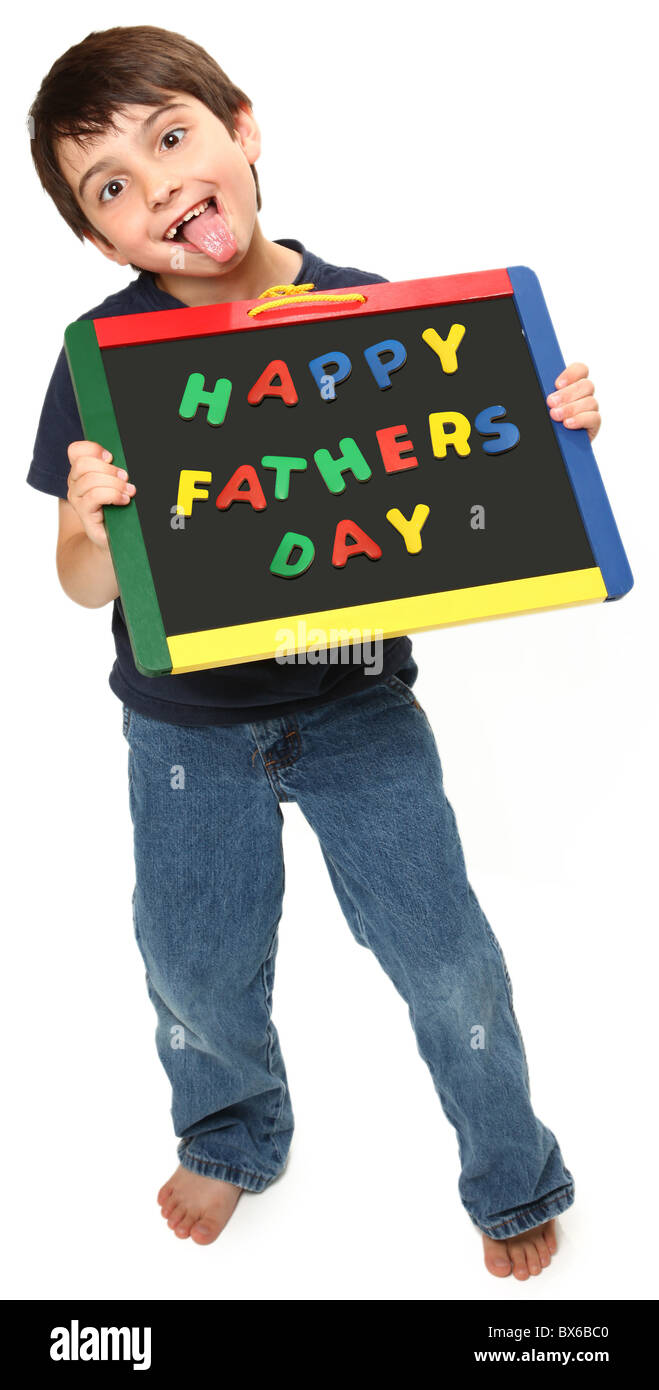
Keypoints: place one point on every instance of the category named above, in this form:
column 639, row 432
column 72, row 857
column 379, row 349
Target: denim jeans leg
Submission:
column 207, row 903
column 369, row 781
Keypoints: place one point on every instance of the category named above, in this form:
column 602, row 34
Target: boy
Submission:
column 148, row 151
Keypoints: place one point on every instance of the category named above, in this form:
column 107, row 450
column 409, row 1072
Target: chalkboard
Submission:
column 308, row 465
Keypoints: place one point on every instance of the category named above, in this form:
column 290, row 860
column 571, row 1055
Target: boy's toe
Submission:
column 185, row 1225
column 497, row 1259
column 549, row 1236
column 177, row 1215
column 206, row 1231
column 520, row 1268
column 543, row 1253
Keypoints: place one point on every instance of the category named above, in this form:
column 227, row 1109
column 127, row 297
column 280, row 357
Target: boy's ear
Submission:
column 106, row 248
column 248, row 133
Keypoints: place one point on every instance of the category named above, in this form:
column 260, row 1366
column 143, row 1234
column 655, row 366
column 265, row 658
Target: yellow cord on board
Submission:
column 296, row 294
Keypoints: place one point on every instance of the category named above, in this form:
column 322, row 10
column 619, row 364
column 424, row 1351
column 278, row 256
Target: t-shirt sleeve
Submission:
column 59, row 425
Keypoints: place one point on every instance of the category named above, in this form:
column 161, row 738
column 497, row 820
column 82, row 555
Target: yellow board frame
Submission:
column 195, row 651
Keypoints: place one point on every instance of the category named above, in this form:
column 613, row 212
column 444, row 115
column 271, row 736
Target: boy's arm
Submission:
column 85, row 570
column 84, row 485
column 84, row 562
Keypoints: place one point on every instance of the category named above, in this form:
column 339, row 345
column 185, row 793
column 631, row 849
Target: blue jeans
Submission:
column 366, row 774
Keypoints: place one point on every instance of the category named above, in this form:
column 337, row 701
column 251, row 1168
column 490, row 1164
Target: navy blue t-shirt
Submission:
column 244, row 692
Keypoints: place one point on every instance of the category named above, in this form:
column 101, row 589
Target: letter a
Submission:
column 265, row 385
column 364, row 544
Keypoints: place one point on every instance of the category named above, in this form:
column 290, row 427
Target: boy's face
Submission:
column 152, row 175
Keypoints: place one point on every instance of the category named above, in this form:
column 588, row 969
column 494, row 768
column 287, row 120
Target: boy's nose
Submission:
column 160, row 196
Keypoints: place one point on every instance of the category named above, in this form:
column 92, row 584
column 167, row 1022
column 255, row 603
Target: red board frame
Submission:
column 162, row 324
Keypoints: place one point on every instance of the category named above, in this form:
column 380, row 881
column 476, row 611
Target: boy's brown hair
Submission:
column 109, row 69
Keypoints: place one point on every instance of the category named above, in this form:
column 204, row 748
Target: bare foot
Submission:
column 528, row 1253
column 196, row 1206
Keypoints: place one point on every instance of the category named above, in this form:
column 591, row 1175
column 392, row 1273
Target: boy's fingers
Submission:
column 82, row 467
column 80, row 447
column 100, row 496
column 584, row 406
column 571, row 373
column 82, row 482
column 575, row 407
column 587, row 419
column 572, row 393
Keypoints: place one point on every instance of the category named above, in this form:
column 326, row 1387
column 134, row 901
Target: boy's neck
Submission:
column 263, row 265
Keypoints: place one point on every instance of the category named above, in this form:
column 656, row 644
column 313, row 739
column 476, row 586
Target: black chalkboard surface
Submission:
column 381, row 462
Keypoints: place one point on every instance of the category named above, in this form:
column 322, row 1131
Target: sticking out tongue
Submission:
column 210, row 233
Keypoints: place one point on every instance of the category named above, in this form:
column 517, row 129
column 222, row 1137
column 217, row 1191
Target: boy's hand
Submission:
column 93, row 483
column 574, row 401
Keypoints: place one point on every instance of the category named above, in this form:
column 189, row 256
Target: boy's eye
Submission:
column 173, row 132
column 114, row 183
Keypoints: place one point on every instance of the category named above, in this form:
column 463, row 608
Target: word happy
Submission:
column 448, row 430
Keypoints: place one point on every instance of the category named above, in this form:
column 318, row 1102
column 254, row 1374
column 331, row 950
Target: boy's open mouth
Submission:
column 204, row 228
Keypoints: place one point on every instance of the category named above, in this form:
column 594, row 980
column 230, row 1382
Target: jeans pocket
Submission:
column 405, row 690
column 126, row 720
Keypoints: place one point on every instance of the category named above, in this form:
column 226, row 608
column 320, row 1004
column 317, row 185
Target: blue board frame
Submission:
column 575, row 446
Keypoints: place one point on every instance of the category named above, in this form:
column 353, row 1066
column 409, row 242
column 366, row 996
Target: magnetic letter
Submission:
column 363, row 544
column 232, row 491
column 283, row 466
column 194, row 395
column 382, row 370
column 446, row 348
column 501, row 438
column 440, row 439
column 392, row 449
column 188, row 493
column 265, row 385
column 410, row 530
column 352, row 460
column 281, row 561
column 336, row 365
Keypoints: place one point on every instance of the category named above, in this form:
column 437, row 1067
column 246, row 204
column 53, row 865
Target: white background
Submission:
column 407, row 141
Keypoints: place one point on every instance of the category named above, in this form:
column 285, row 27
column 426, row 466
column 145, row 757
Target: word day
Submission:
column 448, row 430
